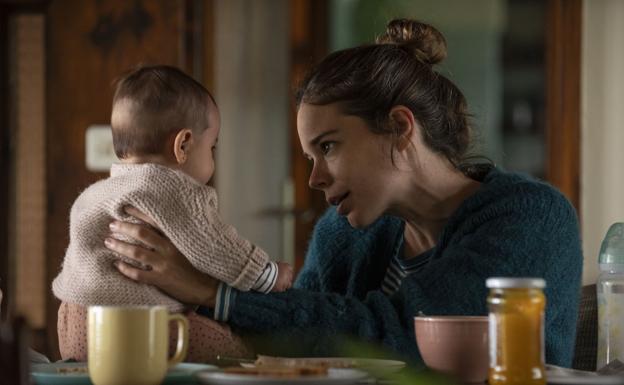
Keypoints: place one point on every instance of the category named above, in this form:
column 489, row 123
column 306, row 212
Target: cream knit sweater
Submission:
column 185, row 211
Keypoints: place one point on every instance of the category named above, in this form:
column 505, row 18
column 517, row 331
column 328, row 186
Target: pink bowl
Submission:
column 456, row 345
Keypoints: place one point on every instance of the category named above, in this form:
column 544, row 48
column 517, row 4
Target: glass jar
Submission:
column 516, row 311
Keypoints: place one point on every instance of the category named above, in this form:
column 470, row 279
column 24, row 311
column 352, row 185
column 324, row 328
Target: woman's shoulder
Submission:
column 519, row 193
column 338, row 250
column 333, row 234
column 508, row 201
column 331, row 223
column 527, row 221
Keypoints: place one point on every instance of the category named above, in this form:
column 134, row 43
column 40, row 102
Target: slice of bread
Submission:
column 279, row 371
column 332, row 362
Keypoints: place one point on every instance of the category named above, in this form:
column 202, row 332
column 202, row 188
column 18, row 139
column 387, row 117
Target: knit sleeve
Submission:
column 187, row 214
column 309, row 275
column 320, row 322
column 317, row 317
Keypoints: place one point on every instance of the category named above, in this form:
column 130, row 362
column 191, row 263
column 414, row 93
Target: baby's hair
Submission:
column 153, row 102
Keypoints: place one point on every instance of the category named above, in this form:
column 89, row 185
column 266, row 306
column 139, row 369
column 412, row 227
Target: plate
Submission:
column 373, row 365
column 333, row 377
column 559, row 375
column 185, row 372
column 595, row 380
column 48, row 374
column 584, row 380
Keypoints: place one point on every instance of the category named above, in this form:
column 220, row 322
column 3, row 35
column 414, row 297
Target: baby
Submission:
column 165, row 129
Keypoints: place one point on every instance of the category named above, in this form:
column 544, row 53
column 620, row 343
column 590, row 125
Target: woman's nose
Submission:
column 318, row 177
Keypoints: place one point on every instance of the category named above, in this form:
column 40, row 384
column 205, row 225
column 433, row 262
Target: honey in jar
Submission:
column 516, row 331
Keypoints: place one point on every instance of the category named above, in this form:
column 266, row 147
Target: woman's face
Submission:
column 351, row 165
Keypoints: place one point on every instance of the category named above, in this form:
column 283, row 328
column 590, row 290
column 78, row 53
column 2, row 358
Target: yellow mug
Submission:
column 130, row 345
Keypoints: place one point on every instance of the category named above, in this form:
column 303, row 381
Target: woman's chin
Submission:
column 357, row 222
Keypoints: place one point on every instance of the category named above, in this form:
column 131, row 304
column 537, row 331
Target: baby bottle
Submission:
column 610, row 296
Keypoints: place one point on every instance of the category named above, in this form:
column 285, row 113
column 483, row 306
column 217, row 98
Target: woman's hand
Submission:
column 168, row 269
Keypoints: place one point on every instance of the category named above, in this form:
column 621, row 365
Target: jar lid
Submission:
column 612, row 247
column 515, row 283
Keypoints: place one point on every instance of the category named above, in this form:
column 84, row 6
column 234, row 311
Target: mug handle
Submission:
column 182, row 344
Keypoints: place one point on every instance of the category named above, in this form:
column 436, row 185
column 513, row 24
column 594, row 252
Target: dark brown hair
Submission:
column 153, row 102
column 367, row 81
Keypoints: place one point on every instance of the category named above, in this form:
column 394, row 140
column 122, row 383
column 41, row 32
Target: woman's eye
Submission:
column 326, row 147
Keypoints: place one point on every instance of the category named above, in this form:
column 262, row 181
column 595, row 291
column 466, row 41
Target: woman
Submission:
column 412, row 228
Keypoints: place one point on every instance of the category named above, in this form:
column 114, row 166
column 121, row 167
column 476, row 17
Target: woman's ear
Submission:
column 405, row 124
column 182, row 145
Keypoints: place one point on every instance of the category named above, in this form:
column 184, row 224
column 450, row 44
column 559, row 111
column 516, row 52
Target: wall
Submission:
column 602, row 140
column 473, row 31
column 252, row 91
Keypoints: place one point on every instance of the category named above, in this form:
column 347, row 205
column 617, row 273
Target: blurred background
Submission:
column 543, row 80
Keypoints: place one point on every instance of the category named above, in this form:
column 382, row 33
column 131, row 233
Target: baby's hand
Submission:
column 284, row 277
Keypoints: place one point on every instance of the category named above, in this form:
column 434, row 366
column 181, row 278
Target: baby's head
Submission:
column 161, row 115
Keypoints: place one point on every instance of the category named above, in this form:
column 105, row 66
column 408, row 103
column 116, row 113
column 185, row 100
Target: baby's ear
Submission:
column 182, row 145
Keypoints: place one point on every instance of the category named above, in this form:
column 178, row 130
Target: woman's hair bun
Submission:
column 424, row 41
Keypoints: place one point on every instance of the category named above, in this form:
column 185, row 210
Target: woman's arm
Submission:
column 318, row 320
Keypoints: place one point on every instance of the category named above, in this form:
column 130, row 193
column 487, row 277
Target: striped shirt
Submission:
column 400, row 268
column 267, row 279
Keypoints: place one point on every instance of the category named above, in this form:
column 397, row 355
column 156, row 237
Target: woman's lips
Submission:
column 337, row 201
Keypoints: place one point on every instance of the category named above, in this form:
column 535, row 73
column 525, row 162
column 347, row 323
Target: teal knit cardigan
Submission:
column 512, row 226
